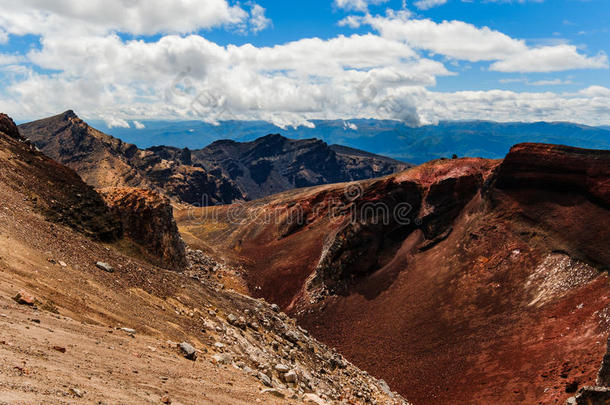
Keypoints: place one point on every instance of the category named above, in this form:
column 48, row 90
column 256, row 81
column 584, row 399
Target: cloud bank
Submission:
column 86, row 61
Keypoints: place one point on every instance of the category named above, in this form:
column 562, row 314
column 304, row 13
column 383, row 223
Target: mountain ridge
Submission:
column 221, row 173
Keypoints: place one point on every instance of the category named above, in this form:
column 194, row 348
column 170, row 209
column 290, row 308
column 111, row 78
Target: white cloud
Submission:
column 191, row 77
column 138, row 125
column 357, row 5
column 426, row 4
column 3, row 36
column 8, row 59
column 115, row 122
column 544, row 82
column 350, row 126
column 258, row 20
column 138, row 17
column 500, row 105
column 463, row 41
column 550, row 59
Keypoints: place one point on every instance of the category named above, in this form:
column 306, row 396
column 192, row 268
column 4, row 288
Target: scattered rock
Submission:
column 274, row 392
column 105, row 266
column 314, row 399
column 59, row 349
column 282, row 368
column 78, row 393
column 166, row 400
column 188, row 350
column 264, row 379
column 275, row 308
column 291, row 377
column 591, row 396
column 129, row 330
column 62, row 264
column 24, row 298
column 222, row 358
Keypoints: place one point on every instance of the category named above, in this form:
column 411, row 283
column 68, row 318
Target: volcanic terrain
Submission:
column 458, row 281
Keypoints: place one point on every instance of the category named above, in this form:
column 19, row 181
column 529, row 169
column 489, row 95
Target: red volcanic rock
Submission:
column 556, row 167
column 148, row 220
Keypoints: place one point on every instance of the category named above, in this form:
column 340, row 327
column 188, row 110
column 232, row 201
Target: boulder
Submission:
column 188, row 350
column 24, row 298
column 104, row 266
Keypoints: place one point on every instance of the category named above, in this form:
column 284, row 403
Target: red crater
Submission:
column 492, row 289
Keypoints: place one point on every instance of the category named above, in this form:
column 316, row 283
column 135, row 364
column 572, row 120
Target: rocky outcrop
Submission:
column 560, row 168
column 104, row 161
column 8, row 127
column 55, row 190
column 148, row 220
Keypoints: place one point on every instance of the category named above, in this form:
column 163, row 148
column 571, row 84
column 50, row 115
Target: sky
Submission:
column 290, row 62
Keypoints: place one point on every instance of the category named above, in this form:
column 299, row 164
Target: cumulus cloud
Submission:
column 463, row 41
column 138, row 125
column 550, row 59
column 501, row 105
column 115, row 122
column 192, row 77
column 138, row 17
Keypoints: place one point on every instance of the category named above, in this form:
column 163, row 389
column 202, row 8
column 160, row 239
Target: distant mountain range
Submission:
column 221, row 173
column 389, row 138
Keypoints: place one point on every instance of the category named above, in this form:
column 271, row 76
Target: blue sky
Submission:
column 124, row 61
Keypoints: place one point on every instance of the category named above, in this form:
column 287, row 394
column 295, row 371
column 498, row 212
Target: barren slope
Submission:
column 462, row 281
column 64, row 344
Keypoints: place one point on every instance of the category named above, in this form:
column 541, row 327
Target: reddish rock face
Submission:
column 558, row 168
column 490, row 290
column 148, row 220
